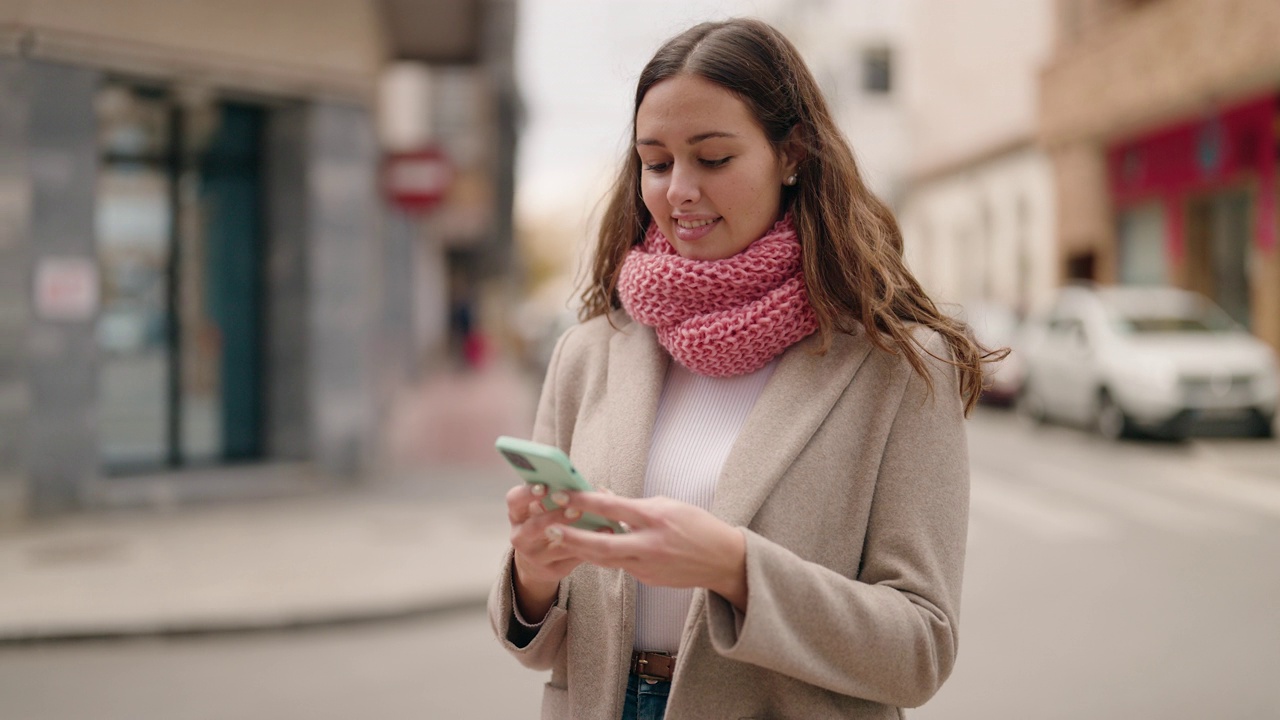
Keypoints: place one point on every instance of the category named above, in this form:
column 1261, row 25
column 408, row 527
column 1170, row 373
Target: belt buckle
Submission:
column 641, row 663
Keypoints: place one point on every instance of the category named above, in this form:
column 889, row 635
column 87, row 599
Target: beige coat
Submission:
column 852, row 483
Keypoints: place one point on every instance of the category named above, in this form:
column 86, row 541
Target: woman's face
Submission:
column 708, row 175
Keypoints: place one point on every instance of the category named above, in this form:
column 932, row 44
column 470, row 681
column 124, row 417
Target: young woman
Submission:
column 775, row 409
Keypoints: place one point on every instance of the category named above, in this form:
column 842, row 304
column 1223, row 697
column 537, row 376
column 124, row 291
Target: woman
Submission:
column 774, row 408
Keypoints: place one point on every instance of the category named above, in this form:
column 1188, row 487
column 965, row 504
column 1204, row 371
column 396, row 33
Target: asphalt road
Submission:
column 1104, row 581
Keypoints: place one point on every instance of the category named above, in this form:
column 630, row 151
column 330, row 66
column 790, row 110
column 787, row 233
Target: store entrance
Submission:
column 180, row 248
column 1218, row 250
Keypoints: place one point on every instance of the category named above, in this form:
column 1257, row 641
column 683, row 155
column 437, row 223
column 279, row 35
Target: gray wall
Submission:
column 14, row 263
column 62, row 439
column 287, row 383
column 343, row 260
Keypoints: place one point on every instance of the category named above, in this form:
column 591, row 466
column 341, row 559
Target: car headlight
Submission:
column 1267, row 384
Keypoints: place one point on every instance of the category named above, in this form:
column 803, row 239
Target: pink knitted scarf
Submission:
column 720, row 317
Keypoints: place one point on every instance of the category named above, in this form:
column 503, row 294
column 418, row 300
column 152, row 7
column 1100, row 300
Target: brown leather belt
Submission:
column 653, row 666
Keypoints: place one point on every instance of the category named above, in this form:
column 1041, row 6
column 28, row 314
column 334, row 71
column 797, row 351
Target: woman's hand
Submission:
column 540, row 565
column 671, row 544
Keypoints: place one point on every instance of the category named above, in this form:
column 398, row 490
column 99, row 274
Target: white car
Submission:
column 1144, row 360
column 997, row 327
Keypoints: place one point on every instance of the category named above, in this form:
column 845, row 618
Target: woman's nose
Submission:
column 684, row 186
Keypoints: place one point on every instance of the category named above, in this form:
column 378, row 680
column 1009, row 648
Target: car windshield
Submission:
column 1198, row 317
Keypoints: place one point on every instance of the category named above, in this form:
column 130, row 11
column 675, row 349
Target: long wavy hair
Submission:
column 851, row 246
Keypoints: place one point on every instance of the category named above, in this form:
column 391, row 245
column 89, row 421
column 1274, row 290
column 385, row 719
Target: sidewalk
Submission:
column 425, row 535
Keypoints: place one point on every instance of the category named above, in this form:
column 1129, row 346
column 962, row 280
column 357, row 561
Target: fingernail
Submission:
column 560, row 498
column 554, row 534
column 535, row 508
column 572, row 513
column 538, row 490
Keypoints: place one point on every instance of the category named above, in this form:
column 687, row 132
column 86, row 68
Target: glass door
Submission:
column 180, row 249
column 135, row 227
column 1218, row 250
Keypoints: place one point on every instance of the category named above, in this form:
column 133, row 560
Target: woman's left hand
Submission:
column 670, row 544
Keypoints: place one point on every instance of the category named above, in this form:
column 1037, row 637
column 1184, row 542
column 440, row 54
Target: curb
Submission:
column 426, row 609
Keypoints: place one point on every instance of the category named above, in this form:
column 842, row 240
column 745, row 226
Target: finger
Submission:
column 628, row 510
column 540, row 518
column 601, row 548
column 517, row 504
column 537, row 545
column 555, row 534
column 518, row 499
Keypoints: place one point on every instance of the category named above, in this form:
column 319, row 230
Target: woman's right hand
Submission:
column 540, row 564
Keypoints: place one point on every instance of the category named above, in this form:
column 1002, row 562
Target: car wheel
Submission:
column 1110, row 420
column 1266, row 427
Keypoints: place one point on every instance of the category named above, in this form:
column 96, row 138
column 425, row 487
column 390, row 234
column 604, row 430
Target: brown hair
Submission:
column 851, row 246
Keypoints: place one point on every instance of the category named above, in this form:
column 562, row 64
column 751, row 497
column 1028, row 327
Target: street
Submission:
column 1132, row 580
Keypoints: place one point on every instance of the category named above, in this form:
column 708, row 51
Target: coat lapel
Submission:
column 637, row 371
column 796, row 400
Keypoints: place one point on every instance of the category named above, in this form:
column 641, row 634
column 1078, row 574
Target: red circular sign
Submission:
column 417, row 181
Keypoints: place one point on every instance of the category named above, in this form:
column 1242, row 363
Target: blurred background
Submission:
column 273, row 275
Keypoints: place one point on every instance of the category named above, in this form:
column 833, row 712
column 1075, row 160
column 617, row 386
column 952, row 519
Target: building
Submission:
column 1161, row 117
column 977, row 208
column 854, row 50
column 197, row 264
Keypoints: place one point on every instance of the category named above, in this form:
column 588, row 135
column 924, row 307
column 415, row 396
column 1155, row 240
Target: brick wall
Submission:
column 1161, row 59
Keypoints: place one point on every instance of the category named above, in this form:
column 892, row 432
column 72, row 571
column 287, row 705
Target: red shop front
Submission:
column 1195, row 206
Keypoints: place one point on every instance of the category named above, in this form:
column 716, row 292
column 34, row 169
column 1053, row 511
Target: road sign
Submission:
column 417, row 181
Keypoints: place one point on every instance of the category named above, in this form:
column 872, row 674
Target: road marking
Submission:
column 1007, row 502
column 1209, row 482
column 1144, row 504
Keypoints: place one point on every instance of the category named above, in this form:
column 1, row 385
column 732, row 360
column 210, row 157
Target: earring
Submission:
column 791, row 180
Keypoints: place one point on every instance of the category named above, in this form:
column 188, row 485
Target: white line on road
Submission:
column 1145, row 505
column 1211, row 483
column 1006, row 502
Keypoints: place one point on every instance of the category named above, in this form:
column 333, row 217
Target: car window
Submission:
column 1063, row 325
column 1199, row 318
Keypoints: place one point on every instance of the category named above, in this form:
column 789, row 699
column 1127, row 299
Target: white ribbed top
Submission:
column 698, row 420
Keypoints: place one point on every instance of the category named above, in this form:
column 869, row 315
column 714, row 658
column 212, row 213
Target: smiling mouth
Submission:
column 691, row 224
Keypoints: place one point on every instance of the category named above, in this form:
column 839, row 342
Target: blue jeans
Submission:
column 645, row 701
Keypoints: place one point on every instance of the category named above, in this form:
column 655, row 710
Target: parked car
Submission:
column 1144, row 360
column 997, row 327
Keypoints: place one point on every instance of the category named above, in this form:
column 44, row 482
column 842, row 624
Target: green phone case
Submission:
column 547, row 465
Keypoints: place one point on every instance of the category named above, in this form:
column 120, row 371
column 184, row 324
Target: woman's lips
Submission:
column 696, row 233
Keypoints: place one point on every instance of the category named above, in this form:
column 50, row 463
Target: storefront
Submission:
column 179, row 225
column 200, row 280
column 1196, row 206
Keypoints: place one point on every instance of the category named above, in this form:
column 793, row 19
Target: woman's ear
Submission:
column 793, row 152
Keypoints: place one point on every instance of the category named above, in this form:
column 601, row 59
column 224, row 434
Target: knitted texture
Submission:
column 720, row 317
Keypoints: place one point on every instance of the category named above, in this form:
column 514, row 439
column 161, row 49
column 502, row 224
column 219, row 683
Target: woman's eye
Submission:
column 656, row 167
column 716, row 163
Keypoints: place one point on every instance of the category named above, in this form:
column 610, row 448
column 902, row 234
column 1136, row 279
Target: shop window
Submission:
column 179, row 246
column 1143, row 246
column 877, row 70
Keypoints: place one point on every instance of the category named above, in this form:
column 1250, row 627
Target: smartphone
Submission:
column 540, row 464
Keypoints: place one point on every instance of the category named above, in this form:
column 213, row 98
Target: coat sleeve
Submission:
column 888, row 635
column 536, row 647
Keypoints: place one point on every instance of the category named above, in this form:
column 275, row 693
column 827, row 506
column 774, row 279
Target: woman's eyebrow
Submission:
column 693, row 140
